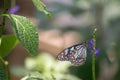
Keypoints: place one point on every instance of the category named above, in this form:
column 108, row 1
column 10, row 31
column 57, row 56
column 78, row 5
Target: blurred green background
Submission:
column 72, row 22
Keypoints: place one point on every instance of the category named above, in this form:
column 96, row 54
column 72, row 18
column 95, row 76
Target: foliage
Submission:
column 5, row 48
column 41, row 7
column 26, row 34
column 104, row 13
column 45, row 67
column 4, row 73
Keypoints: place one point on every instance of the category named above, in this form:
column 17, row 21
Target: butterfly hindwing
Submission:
column 79, row 57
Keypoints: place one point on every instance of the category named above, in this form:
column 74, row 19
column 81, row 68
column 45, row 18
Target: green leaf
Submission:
column 4, row 75
column 41, row 7
column 26, row 33
column 7, row 44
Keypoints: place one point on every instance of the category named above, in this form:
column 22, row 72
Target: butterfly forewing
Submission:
column 63, row 55
column 75, row 54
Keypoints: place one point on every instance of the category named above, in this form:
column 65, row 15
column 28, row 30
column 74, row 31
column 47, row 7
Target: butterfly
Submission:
column 76, row 54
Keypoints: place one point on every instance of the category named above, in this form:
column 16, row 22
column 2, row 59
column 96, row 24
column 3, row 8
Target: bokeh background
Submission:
column 72, row 22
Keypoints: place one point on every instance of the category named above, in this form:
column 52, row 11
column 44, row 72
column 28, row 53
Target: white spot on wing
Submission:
column 72, row 48
column 66, row 51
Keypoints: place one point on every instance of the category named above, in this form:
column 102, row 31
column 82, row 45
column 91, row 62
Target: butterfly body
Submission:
column 76, row 54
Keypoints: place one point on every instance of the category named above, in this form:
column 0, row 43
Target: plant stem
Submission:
column 93, row 55
column 7, row 70
column 93, row 66
column 3, row 19
column 4, row 64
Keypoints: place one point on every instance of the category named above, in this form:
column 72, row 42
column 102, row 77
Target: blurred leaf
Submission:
column 117, row 48
column 26, row 32
column 18, row 70
column 45, row 62
column 41, row 7
column 48, row 68
column 34, row 76
column 8, row 43
column 3, row 73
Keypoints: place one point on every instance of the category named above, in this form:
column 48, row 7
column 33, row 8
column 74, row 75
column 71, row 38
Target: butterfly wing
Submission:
column 75, row 54
column 63, row 55
column 78, row 56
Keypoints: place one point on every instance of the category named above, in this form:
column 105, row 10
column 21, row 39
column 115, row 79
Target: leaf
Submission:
column 26, row 33
column 34, row 75
column 41, row 7
column 4, row 75
column 7, row 44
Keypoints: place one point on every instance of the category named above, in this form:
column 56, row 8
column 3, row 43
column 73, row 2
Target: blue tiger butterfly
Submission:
column 76, row 54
